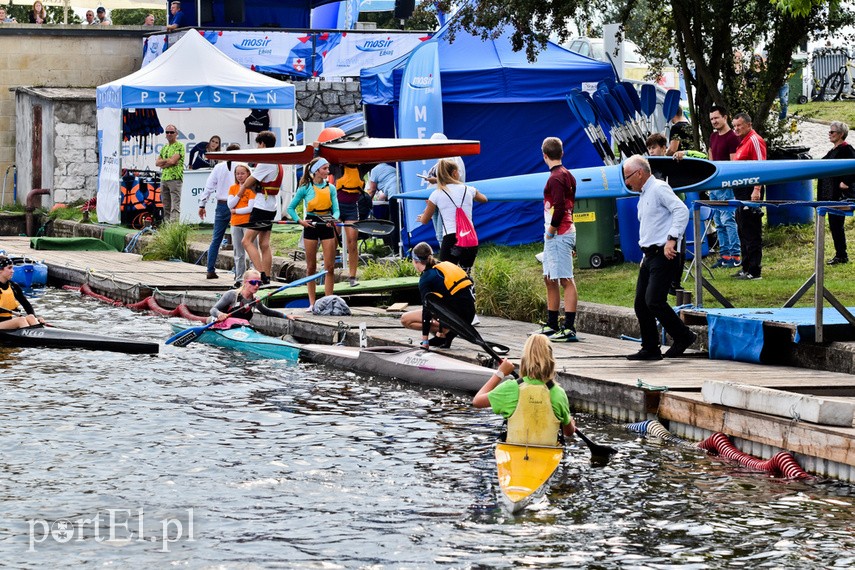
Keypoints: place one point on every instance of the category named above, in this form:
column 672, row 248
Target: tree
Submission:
column 708, row 38
column 136, row 17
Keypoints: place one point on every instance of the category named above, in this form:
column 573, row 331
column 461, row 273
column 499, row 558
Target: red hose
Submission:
column 147, row 304
column 781, row 464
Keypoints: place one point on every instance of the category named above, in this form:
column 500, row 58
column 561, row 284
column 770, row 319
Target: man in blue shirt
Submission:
column 176, row 20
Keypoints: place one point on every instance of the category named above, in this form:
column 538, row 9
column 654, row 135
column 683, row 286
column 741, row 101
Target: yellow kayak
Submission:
column 524, row 470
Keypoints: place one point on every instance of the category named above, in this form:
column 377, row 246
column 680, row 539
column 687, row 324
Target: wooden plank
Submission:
column 826, row 442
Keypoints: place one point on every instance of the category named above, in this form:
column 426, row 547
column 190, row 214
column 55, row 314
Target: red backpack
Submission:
column 466, row 236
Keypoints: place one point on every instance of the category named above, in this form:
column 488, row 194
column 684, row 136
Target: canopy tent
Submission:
column 493, row 94
column 192, row 73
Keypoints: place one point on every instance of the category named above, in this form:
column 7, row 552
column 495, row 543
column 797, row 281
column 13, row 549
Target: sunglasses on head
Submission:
column 254, row 281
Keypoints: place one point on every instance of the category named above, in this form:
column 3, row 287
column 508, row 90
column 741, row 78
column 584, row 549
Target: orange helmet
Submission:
column 330, row 134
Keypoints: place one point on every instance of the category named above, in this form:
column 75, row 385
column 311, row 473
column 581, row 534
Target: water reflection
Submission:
column 310, row 467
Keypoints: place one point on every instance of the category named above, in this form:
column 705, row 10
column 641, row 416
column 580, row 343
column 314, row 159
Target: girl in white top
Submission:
column 449, row 194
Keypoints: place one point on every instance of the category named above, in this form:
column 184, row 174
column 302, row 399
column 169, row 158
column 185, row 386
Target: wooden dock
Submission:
column 594, row 370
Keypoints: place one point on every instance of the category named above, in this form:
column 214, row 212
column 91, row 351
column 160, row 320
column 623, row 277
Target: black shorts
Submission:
column 349, row 212
column 318, row 233
column 261, row 220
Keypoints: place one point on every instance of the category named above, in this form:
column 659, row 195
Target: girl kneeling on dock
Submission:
column 452, row 286
column 532, row 419
column 11, row 297
column 237, row 301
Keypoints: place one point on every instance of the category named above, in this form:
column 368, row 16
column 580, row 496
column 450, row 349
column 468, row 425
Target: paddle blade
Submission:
column 186, row 336
column 671, row 104
column 599, row 453
column 648, row 99
column 374, row 227
column 632, row 95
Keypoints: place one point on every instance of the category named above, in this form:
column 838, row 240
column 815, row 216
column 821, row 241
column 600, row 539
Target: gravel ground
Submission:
column 814, row 135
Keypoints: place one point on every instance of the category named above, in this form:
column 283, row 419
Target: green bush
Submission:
column 169, row 242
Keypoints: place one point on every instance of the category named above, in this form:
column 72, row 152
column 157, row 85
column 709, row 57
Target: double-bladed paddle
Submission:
column 373, row 227
column 187, row 336
column 589, row 130
column 599, row 453
column 585, row 106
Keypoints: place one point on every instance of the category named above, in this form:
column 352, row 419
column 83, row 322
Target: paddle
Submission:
column 632, row 98
column 587, row 127
column 585, row 106
column 372, row 226
column 619, row 132
column 599, row 453
column 671, row 104
column 648, row 103
column 187, row 336
column 636, row 138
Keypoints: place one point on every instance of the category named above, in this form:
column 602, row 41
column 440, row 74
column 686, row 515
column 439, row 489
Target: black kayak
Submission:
column 51, row 337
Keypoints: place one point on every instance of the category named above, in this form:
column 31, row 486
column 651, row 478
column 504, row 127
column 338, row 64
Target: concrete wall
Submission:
column 58, row 56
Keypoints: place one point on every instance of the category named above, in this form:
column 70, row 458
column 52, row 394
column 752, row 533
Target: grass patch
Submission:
column 826, row 111
column 387, row 270
column 169, row 242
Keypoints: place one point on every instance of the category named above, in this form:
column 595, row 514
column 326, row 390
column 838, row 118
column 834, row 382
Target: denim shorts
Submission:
column 558, row 256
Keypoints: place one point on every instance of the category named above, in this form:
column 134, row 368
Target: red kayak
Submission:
column 363, row 151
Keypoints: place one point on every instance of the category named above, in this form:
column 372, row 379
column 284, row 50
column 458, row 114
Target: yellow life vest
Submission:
column 455, row 278
column 8, row 302
column 350, row 181
column 533, row 421
column 321, row 203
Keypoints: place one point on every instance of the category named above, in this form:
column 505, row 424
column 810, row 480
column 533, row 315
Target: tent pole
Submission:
column 198, row 13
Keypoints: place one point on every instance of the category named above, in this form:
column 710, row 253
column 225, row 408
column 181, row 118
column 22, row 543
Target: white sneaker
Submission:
column 476, row 321
column 309, row 308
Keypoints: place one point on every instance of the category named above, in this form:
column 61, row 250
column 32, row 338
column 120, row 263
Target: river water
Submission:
column 199, row 458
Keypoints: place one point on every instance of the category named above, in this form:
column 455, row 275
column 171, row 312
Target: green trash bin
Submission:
column 595, row 232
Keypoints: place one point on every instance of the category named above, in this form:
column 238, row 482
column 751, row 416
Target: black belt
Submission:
column 653, row 250
column 222, row 201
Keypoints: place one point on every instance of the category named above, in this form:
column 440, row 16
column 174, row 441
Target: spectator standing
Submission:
column 680, row 136
column 749, row 221
column 149, row 20
column 176, row 18
column 197, row 157
column 264, row 183
column 4, row 17
column 723, row 144
column 382, row 185
column 219, row 181
column 432, row 181
column 559, row 240
column 171, row 162
column 837, row 188
column 38, row 15
column 103, row 20
column 350, row 189
column 662, row 220
column 240, row 209
column 90, row 19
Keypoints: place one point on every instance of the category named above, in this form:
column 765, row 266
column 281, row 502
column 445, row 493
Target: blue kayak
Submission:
column 247, row 340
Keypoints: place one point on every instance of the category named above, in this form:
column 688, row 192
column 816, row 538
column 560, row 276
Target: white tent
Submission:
column 191, row 73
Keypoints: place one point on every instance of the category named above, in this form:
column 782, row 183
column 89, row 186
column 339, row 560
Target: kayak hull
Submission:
column 524, row 471
column 362, row 151
column 414, row 365
column 687, row 175
column 248, row 341
column 52, row 337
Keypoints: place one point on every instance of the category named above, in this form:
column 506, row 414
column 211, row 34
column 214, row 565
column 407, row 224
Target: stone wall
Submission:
column 75, row 173
column 323, row 100
column 58, row 56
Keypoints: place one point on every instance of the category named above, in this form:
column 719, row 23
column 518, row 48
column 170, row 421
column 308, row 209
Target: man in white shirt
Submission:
column 218, row 184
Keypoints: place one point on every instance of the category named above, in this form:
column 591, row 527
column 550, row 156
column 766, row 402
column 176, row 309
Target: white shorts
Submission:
column 558, row 256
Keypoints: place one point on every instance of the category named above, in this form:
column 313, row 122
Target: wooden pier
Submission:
column 594, row 370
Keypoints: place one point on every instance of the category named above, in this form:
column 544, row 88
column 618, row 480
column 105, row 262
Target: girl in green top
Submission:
column 537, row 367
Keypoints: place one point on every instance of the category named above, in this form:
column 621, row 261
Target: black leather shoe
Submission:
column 678, row 348
column 645, row 354
column 837, row 260
column 212, row 275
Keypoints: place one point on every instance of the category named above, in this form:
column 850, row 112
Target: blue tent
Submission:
column 493, row 94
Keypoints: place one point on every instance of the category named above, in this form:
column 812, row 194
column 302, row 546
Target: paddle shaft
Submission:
column 374, row 227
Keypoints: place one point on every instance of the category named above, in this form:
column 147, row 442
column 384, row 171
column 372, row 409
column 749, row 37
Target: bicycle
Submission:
column 832, row 86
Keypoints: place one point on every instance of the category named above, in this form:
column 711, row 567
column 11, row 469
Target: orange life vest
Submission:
column 271, row 188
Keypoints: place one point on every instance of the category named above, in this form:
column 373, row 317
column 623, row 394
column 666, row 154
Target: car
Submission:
column 634, row 64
